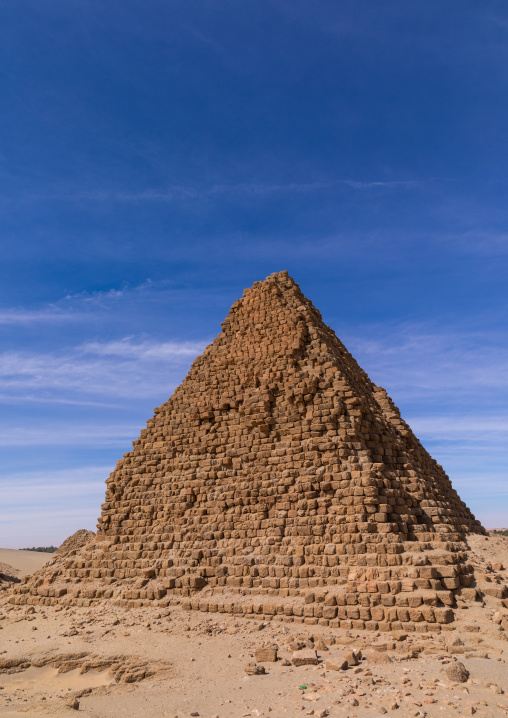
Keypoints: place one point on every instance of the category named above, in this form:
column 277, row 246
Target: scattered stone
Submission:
column 377, row 658
column 252, row 669
column 304, row 657
column 457, row 672
column 399, row 635
column 297, row 645
column 331, row 665
column 321, row 646
column 353, row 658
column 266, row 654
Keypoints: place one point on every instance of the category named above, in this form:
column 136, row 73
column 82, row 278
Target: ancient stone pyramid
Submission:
column 277, row 481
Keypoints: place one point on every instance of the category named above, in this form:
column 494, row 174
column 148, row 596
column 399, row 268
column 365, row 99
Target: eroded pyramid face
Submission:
column 277, row 466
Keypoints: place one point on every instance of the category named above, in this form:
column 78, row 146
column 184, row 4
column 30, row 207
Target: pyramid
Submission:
column 277, row 482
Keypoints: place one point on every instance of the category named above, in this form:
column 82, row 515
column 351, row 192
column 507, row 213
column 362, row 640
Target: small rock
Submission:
column 72, row 703
column 377, row 657
column 496, row 689
column 321, row 646
column 399, row 635
column 304, row 657
column 252, row 669
column 297, row 645
column 353, row 658
column 336, row 665
column 266, row 654
column 457, row 672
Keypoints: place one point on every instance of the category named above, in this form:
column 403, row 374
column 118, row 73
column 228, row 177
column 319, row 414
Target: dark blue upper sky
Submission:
column 158, row 157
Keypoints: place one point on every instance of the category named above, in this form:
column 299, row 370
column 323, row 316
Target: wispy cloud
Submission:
column 79, row 306
column 476, row 428
column 481, row 242
column 44, row 507
column 393, row 184
column 182, row 192
column 417, row 361
column 99, row 434
column 123, row 370
column 128, row 348
column 189, row 192
column 43, row 316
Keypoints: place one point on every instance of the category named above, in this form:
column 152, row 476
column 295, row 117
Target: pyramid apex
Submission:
column 281, row 277
column 284, row 274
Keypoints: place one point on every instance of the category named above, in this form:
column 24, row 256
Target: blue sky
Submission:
column 158, row 157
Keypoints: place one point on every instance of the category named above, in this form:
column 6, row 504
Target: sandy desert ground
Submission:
column 21, row 563
column 112, row 662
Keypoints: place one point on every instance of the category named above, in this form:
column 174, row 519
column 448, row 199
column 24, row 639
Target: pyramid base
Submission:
column 415, row 590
